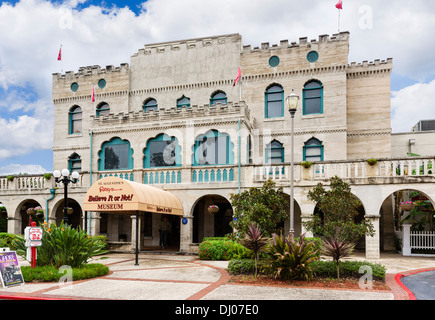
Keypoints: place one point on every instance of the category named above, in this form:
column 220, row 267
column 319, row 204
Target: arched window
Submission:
column 313, row 150
column 115, row 154
column 183, row 101
column 103, row 109
column 213, row 148
column 274, row 152
column 150, row 104
column 218, row 97
column 274, row 100
column 75, row 120
column 75, row 163
column 313, row 98
column 162, row 151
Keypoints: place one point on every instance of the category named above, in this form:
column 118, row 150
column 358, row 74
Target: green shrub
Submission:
column 348, row 269
column 244, row 266
column 222, row 249
column 63, row 245
column 52, row 274
column 8, row 240
column 290, row 259
column 316, row 247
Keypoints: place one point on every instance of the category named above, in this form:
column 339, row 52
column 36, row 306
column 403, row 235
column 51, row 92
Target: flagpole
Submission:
column 339, row 14
column 240, row 88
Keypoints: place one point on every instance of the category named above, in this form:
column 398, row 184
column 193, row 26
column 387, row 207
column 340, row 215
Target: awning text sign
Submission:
column 113, row 194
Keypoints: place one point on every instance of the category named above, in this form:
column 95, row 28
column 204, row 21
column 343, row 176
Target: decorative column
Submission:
column 372, row 243
column 186, row 233
column 406, row 240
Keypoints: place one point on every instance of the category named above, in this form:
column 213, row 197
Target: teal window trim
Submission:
column 274, row 61
column 311, row 89
column 113, row 142
column 103, row 109
column 183, row 101
column 150, row 104
column 200, row 140
column 162, row 137
column 101, row 83
column 75, row 163
column 271, row 91
column 75, row 116
column 313, row 143
column 218, row 97
column 270, row 148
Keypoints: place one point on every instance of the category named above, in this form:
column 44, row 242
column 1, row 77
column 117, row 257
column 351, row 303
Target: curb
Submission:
column 398, row 278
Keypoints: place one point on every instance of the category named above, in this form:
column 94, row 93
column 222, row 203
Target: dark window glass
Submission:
column 116, row 156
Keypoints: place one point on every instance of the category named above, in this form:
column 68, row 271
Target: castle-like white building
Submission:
column 174, row 118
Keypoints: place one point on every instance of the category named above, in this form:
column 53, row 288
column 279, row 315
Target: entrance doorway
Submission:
column 211, row 224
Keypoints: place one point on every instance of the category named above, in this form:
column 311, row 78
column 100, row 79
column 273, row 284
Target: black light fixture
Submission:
column 65, row 177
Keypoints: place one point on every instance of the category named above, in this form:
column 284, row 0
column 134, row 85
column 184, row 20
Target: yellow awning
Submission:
column 113, row 194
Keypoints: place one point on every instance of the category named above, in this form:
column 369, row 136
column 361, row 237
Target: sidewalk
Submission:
column 184, row 277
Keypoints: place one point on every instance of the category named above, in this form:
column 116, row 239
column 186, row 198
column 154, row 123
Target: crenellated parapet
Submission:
column 194, row 113
column 366, row 69
column 190, row 44
column 303, row 42
column 90, row 71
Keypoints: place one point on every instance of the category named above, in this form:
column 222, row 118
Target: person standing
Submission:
column 165, row 227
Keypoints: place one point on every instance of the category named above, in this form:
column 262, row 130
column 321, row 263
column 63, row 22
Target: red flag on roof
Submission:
column 59, row 56
column 339, row 5
column 239, row 74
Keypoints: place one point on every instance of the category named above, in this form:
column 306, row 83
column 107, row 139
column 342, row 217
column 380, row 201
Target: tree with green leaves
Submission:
column 339, row 230
column 340, row 208
column 267, row 207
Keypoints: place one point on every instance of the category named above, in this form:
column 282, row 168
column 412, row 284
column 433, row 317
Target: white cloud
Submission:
column 412, row 104
column 18, row 168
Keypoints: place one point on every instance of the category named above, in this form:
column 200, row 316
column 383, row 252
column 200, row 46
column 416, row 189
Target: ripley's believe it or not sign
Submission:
column 113, row 194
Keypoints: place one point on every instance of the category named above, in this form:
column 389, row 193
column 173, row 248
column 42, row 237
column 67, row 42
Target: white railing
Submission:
column 161, row 176
column 357, row 169
column 422, row 239
column 276, row 172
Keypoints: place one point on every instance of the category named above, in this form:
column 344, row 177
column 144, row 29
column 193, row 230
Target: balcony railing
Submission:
column 358, row 169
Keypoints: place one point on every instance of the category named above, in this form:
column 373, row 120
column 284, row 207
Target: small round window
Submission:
column 312, row 56
column 101, row 83
column 274, row 61
column 74, row 87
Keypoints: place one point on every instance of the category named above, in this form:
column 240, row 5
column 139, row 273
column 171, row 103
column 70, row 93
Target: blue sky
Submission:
column 109, row 32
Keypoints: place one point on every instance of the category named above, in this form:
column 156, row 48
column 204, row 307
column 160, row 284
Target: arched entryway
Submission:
column 212, row 215
column 74, row 215
column 361, row 244
column 297, row 221
column 393, row 215
column 25, row 217
column 3, row 218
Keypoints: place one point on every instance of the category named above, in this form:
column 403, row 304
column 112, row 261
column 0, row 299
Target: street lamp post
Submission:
column 292, row 104
column 65, row 177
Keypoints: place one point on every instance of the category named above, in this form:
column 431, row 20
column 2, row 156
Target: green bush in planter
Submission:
column 222, row 249
column 63, row 245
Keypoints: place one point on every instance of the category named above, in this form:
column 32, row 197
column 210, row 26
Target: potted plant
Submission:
column 213, row 209
column 69, row 210
column 407, row 206
column 306, row 164
column 31, row 211
column 372, row 162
